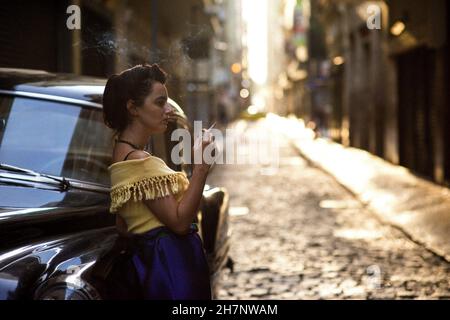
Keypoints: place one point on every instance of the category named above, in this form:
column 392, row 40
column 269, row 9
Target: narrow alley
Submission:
column 306, row 237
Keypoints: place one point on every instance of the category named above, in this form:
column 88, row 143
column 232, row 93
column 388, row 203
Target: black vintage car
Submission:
column 54, row 188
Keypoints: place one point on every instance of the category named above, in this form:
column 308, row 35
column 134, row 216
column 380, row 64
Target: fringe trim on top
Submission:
column 146, row 189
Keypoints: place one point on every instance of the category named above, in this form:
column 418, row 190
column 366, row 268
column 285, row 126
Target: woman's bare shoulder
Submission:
column 119, row 155
column 139, row 154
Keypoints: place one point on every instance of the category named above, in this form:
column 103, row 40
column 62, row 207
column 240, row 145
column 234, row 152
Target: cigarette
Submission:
column 206, row 135
column 211, row 126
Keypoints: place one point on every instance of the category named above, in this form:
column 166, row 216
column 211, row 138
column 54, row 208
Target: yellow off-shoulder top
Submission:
column 134, row 181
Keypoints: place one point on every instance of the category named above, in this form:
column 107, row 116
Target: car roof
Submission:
column 65, row 85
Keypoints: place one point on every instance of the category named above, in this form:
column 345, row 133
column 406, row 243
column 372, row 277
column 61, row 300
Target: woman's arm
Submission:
column 178, row 216
column 121, row 225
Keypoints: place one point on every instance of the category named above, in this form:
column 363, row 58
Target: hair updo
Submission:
column 132, row 84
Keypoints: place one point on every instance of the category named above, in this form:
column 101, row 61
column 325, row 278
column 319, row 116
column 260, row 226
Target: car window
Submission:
column 55, row 138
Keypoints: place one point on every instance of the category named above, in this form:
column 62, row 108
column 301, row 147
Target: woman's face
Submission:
column 155, row 112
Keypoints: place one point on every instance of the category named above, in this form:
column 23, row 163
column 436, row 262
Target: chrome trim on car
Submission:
column 71, row 281
column 77, row 184
column 23, row 214
column 51, row 98
column 28, row 178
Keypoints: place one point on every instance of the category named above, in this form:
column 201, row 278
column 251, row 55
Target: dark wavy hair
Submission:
column 132, row 84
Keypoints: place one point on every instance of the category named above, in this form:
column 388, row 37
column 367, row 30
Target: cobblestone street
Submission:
column 306, row 237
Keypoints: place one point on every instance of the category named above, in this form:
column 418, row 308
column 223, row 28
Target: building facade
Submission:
column 180, row 35
column 388, row 80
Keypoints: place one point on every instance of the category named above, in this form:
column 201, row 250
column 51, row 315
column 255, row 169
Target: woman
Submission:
column 154, row 204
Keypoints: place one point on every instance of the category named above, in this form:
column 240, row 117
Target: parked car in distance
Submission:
column 55, row 224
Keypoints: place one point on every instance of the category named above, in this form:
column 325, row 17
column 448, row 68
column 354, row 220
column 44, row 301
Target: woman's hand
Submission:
column 206, row 159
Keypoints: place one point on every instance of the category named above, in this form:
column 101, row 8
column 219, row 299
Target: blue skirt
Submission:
column 161, row 265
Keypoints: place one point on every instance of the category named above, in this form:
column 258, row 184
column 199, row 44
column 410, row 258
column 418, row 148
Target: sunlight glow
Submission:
column 244, row 93
column 398, row 28
column 255, row 14
column 358, row 234
column 238, row 211
column 338, row 60
column 252, row 110
column 236, row 68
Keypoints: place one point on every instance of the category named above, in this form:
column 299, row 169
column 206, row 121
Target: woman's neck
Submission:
column 135, row 135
